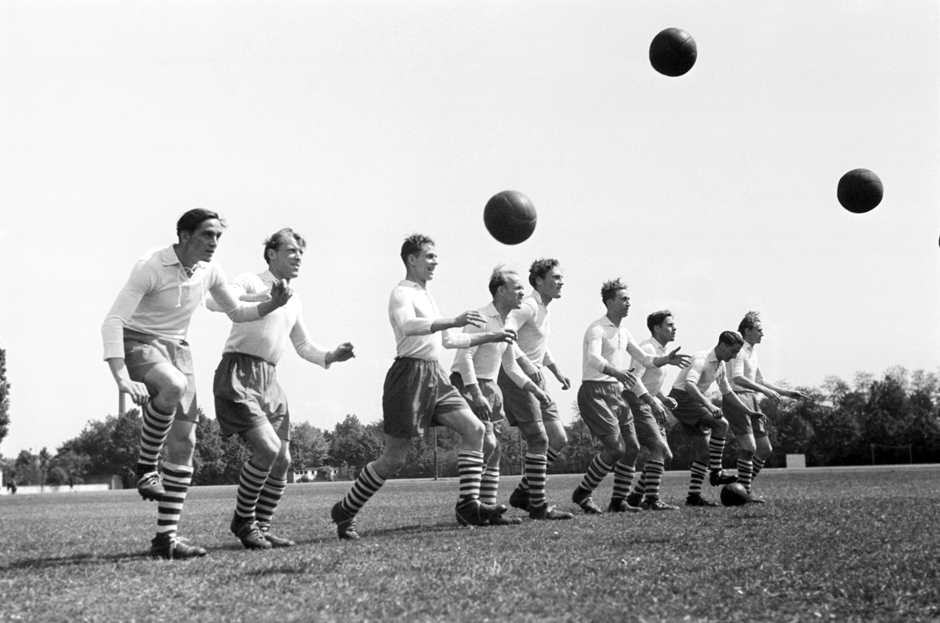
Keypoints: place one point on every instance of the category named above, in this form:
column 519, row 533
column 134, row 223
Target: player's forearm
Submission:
column 742, row 381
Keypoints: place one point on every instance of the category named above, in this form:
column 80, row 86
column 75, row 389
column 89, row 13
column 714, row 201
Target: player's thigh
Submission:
column 166, row 378
column 463, row 421
column 264, row 440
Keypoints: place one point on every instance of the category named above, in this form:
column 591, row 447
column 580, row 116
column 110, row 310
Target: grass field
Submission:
column 829, row 545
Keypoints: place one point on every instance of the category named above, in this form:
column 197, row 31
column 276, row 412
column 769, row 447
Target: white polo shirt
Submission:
column 411, row 311
column 704, row 370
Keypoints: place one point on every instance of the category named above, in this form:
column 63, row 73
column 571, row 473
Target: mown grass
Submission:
column 841, row 546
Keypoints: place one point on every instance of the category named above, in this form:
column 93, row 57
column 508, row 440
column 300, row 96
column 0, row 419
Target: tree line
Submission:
column 892, row 419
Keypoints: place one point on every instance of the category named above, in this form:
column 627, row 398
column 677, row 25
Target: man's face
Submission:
column 754, row 334
column 512, row 292
column 665, row 331
column 550, row 285
column 425, row 261
column 619, row 305
column 286, row 259
column 200, row 245
column 727, row 353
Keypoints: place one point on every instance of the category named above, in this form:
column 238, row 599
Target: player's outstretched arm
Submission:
column 673, row 359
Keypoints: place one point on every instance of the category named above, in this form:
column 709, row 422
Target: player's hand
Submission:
column 281, row 292
column 544, row 399
column 793, row 393
column 503, row 335
column 479, row 405
column 675, row 359
column 773, row 396
column 136, row 390
column 626, row 377
column 564, row 380
column 716, row 412
column 470, row 317
column 671, row 404
column 658, row 412
column 343, row 352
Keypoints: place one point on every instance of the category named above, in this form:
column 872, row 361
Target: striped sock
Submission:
column 366, row 485
column 269, row 498
column 698, row 477
column 653, row 475
column 250, row 481
column 489, row 485
column 550, row 457
column 758, row 465
column 176, row 481
column 745, row 473
column 595, row 473
column 716, row 446
column 470, row 468
column 535, row 467
column 154, row 427
column 623, row 478
column 639, row 485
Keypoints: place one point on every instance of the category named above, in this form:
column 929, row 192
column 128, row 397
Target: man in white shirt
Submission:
column 601, row 402
column 145, row 346
column 746, row 382
column 417, row 393
column 475, row 371
column 540, row 424
column 248, row 399
column 700, row 419
column 648, row 405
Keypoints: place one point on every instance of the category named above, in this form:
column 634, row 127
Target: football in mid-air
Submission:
column 734, row 494
column 510, row 217
column 860, row 191
column 673, row 52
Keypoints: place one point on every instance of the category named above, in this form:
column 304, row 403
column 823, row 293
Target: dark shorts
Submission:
column 741, row 422
column 490, row 390
column 415, row 392
column 690, row 412
column 247, row 395
column 648, row 429
column 143, row 351
column 521, row 406
column 603, row 409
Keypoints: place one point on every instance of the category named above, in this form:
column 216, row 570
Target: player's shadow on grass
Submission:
column 53, row 562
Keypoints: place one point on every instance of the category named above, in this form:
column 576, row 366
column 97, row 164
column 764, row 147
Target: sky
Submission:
column 359, row 123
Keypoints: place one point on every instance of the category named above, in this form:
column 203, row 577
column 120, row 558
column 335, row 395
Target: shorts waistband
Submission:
column 235, row 353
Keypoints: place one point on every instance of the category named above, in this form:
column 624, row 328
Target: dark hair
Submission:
column 750, row 319
column 412, row 246
column 191, row 220
column 540, row 268
column 278, row 238
column 730, row 338
column 610, row 289
column 498, row 278
column 657, row 318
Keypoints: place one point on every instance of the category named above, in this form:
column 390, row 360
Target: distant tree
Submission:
column 4, row 397
column 209, row 467
column 26, row 468
column 353, row 444
column 44, row 458
column 110, row 445
column 309, row 447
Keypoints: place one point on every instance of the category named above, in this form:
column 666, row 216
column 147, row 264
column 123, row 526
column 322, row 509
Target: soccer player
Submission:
column 248, row 399
column 540, row 424
column 746, row 382
column 602, row 404
column 703, row 421
column 145, row 346
column 475, row 370
column 417, row 393
column 648, row 403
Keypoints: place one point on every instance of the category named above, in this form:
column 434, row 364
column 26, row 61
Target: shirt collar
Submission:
column 168, row 257
column 267, row 276
column 712, row 357
column 538, row 298
column 656, row 344
column 491, row 311
column 407, row 283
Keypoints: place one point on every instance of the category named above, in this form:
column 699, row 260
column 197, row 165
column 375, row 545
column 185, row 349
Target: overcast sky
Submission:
column 358, row 123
